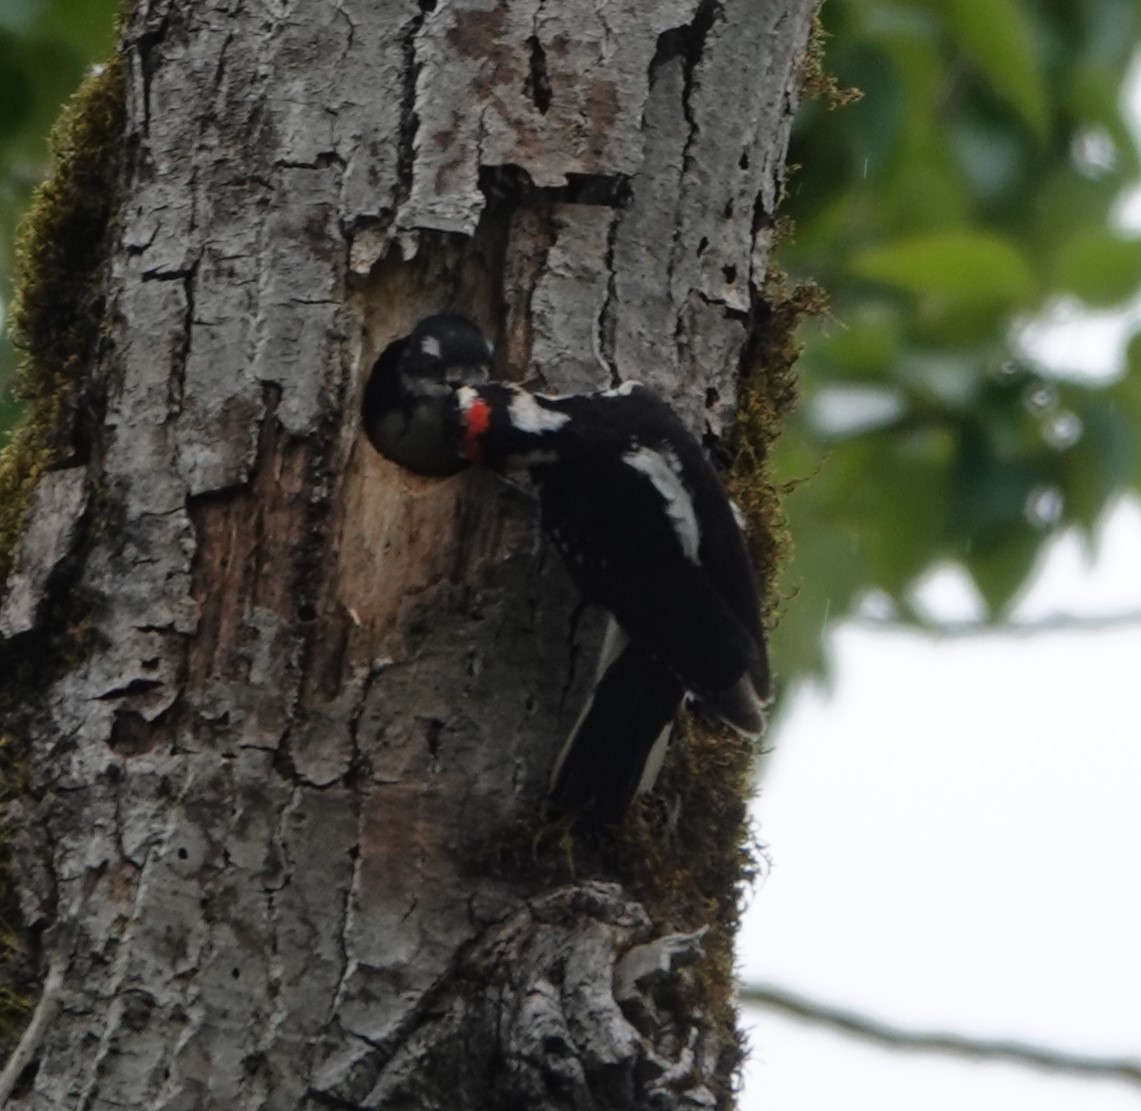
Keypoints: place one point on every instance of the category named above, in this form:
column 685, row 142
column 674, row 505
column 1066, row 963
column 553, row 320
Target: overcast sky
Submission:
column 954, row 832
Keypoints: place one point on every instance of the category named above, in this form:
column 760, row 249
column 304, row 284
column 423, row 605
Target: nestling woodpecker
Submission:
column 409, row 402
column 643, row 523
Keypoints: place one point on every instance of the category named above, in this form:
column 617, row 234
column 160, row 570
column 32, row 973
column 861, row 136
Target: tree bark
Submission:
column 278, row 840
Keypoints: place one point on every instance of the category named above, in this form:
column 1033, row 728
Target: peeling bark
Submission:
column 54, row 515
column 315, row 687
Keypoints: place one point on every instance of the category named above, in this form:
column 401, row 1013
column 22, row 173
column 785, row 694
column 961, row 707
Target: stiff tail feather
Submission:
column 632, row 707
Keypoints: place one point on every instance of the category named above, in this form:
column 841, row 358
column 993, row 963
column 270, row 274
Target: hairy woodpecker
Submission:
column 646, row 530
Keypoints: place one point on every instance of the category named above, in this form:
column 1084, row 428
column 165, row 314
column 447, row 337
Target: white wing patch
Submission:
column 529, row 416
column 624, row 390
column 663, row 469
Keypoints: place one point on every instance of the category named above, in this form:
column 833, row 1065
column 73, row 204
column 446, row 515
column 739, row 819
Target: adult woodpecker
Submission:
column 646, row 530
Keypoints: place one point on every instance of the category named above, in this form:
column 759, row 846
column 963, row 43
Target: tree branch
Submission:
column 893, row 1037
column 958, row 630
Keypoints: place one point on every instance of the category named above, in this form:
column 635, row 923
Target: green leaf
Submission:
column 862, row 343
column 819, row 585
column 1066, row 204
column 1123, row 400
column 923, row 193
column 997, row 36
column 872, row 124
column 1098, row 267
column 88, row 27
column 15, row 88
column 909, row 498
column 960, row 264
column 1002, row 461
column 1001, row 569
column 1100, row 463
column 991, row 153
column 1125, row 393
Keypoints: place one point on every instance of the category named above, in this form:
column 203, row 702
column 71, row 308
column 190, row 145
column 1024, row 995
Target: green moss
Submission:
column 768, row 392
column 57, row 321
column 57, row 311
column 815, row 80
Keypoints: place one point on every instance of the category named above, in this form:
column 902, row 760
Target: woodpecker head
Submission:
column 444, row 351
column 410, row 412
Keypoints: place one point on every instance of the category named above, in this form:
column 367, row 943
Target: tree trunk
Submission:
column 279, row 840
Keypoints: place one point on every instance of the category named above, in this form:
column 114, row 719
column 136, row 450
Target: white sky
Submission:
column 954, row 832
column 954, row 838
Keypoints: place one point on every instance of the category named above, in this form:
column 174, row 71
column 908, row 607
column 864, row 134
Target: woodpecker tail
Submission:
column 740, row 706
column 609, row 752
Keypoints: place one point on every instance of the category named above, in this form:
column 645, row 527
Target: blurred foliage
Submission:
column 45, row 48
column 970, row 188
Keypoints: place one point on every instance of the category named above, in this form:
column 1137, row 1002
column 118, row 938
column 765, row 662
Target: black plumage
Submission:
column 408, row 410
column 647, row 531
column 638, row 514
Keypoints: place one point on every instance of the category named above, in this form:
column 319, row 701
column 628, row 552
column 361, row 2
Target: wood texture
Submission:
column 315, row 685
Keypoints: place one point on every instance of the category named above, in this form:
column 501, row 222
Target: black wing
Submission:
column 697, row 616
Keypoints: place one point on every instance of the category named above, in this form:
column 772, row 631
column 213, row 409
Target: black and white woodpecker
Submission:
column 640, row 518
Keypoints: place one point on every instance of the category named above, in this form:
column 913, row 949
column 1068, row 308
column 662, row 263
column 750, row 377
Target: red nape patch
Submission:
column 477, row 418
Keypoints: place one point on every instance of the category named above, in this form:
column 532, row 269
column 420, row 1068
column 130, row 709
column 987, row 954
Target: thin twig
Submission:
column 1051, row 623
column 894, row 1037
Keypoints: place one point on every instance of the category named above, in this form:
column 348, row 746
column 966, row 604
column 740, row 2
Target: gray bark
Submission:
column 314, row 686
